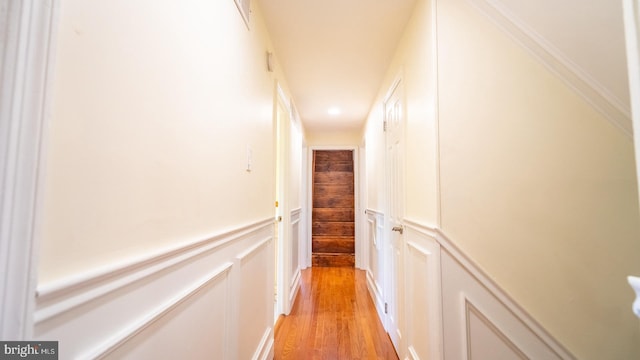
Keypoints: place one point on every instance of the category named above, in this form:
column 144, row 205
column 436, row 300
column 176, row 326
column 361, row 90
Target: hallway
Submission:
column 146, row 148
column 333, row 317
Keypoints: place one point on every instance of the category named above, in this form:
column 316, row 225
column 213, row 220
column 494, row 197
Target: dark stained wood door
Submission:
column 333, row 227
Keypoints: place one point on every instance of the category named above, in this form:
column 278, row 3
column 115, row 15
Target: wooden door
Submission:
column 333, row 215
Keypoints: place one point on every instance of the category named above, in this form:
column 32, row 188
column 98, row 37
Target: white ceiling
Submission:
column 335, row 52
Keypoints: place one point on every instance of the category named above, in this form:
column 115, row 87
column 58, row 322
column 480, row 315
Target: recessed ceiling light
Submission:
column 333, row 111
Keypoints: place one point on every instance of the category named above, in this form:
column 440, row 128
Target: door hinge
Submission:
column 386, row 308
column 384, row 126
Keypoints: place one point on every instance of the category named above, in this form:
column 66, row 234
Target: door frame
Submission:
column 25, row 102
column 631, row 12
column 282, row 220
column 359, row 264
column 393, row 270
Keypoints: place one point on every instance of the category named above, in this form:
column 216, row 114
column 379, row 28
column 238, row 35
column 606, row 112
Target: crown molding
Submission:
column 600, row 98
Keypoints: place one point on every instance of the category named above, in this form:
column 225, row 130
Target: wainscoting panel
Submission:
column 166, row 334
column 211, row 297
column 295, row 254
column 374, row 266
column 453, row 310
column 253, row 266
column 422, row 306
column 481, row 322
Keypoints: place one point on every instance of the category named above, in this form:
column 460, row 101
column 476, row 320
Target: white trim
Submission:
column 263, row 352
column 418, row 248
column 244, row 12
column 631, row 12
column 283, row 153
column 494, row 289
column 413, row 355
column 252, row 250
column 137, row 327
column 612, row 108
column 423, row 246
column 634, row 282
column 85, row 287
column 375, row 288
column 362, row 262
column 470, row 308
column 356, row 193
column 374, row 212
column 374, row 238
column 156, row 287
column 294, row 287
column 376, row 294
column 448, row 246
column 27, row 67
column 296, row 213
column 426, row 230
column 436, row 106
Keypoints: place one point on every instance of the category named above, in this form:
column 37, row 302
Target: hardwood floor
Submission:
column 333, row 318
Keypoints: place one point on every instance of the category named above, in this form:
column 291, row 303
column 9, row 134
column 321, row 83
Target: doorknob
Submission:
column 279, row 218
column 399, row 229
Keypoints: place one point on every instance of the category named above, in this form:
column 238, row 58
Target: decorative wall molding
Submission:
column 471, row 311
column 265, row 349
column 138, row 326
column 441, row 283
column 412, row 353
column 295, row 214
column 423, row 296
column 469, row 295
column 501, row 297
column 374, row 257
column 27, row 50
column 571, row 74
column 140, row 305
column 68, row 293
column 294, row 285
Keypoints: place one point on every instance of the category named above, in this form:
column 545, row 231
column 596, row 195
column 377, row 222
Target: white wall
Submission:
column 413, row 64
column 523, row 176
column 153, row 101
column 147, row 191
column 537, row 187
column 334, row 138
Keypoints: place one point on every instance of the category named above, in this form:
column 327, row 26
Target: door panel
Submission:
column 394, row 118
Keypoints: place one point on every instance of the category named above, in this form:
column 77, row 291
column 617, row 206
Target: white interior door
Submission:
column 394, row 248
column 281, row 237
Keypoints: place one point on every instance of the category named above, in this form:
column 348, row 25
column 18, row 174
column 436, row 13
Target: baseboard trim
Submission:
column 61, row 296
column 294, row 287
column 266, row 346
column 376, row 294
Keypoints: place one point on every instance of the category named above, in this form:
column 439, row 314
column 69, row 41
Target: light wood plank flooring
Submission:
column 333, row 318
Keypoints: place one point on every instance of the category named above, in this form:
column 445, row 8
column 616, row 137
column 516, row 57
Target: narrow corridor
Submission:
column 333, row 318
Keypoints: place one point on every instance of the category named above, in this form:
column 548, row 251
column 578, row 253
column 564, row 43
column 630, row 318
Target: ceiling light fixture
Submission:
column 334, row 111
